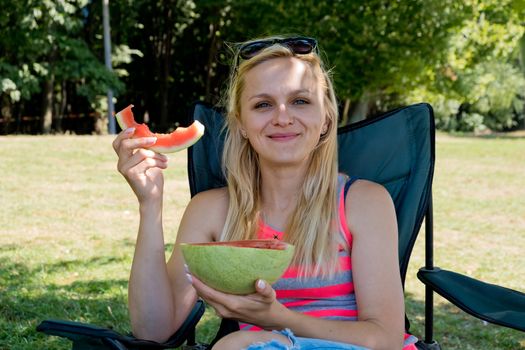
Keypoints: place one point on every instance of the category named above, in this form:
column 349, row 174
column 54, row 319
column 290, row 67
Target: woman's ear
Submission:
column 324, row 129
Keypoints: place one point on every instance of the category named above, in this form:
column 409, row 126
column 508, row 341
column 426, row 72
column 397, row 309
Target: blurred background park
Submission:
column 68, row 220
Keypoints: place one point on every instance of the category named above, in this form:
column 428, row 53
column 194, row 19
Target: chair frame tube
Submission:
column 429, row 265
column 431, row 344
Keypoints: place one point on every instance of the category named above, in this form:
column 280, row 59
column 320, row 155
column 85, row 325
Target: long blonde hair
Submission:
column 313, row 227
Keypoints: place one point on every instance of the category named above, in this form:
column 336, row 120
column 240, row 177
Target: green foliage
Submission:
column 479, row 86
column 489, row 95
column 78, row 65
column 377, row 45
column 167, row 54
column 496, row 90
column 386, row 46
column 43, row 41
column 17, row 67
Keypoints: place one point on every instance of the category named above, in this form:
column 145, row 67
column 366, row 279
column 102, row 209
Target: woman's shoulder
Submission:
column 205, row 214
column 214, row 193
column 367, row 199
column 366, row 187
column 216, row 197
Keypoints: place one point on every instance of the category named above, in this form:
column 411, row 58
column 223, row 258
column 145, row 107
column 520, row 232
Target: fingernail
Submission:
column 150, row 139
column 188, row 277
column 130, row 130
column 261, row 284
column 186, row 269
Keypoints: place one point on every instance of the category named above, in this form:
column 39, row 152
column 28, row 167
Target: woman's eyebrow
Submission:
column 263, row 95
column 293, row 92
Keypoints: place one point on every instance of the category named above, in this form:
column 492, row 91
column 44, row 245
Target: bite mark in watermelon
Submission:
column 181, row 138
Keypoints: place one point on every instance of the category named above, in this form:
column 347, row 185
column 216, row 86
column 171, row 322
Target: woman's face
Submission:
column 282, row 110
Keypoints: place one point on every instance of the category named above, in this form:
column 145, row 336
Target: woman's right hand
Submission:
column 141, row 167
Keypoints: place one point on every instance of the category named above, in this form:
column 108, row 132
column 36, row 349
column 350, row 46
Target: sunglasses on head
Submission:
column 298, row 45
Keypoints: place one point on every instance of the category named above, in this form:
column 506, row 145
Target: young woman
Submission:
column 343, row 288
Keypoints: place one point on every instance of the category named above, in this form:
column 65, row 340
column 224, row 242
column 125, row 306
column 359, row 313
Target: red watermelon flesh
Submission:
column 251, row 243
column 181, row 138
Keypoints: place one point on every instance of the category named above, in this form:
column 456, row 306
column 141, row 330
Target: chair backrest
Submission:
column 395, row 149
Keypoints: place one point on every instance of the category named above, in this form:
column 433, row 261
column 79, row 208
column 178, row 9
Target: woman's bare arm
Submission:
column 160, row 296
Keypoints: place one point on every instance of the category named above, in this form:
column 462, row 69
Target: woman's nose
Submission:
column 283, row 116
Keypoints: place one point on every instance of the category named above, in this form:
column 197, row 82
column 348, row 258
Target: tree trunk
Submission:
column 212, row 53
column 47, row 104
column 346, row 109
column 61, row 107
column 360, row 109
column 48, row 95
column 6, row 111
column 164, row 90
column 165, row 62
column 522, row 63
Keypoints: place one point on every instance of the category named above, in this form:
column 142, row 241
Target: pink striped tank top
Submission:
column 328, row 298
column 315, row 296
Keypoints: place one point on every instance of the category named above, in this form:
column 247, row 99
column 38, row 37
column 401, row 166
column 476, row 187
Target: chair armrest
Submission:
column 489, row 302
column 87, row 336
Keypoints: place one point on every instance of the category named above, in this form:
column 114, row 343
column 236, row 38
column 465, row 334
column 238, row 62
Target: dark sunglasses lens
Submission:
column 249, row 50
column 301, row 46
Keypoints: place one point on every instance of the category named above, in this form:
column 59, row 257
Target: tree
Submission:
column 152, row 29
column 44, row 46
column 18, row 74
column 378, row 48
column 479, row 85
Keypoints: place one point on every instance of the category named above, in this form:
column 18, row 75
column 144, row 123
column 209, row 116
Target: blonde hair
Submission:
column 313, row 227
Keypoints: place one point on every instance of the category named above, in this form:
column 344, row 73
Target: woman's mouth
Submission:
column 283, row 136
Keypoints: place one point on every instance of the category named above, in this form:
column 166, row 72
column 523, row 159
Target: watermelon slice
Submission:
column 179, row 139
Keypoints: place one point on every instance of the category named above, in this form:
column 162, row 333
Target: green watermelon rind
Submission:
column 235, row 270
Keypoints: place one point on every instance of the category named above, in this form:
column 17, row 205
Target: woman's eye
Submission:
column 262, row 105
column 301, row 101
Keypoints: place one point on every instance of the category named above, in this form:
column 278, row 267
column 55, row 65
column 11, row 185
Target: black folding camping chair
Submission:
column 395, row 149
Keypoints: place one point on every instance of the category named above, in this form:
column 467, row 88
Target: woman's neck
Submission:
column 280, row 191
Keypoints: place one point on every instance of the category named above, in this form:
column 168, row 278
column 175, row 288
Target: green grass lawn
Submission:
column 68, row 222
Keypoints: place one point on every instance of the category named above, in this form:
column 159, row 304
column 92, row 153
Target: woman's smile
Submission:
column 283, row 136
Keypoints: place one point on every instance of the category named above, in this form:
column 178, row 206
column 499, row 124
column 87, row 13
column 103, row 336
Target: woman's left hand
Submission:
column 260, row 308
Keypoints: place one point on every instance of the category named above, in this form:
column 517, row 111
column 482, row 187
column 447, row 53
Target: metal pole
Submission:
column 429, row 265
column 522, row 62
column 107, row 58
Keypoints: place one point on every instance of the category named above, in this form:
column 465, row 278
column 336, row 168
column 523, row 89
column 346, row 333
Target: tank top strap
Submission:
column 345, row 182
column 349, row 183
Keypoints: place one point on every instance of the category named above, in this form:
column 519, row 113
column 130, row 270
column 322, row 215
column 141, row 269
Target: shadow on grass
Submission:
column 455, row 329
column 26, row 300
